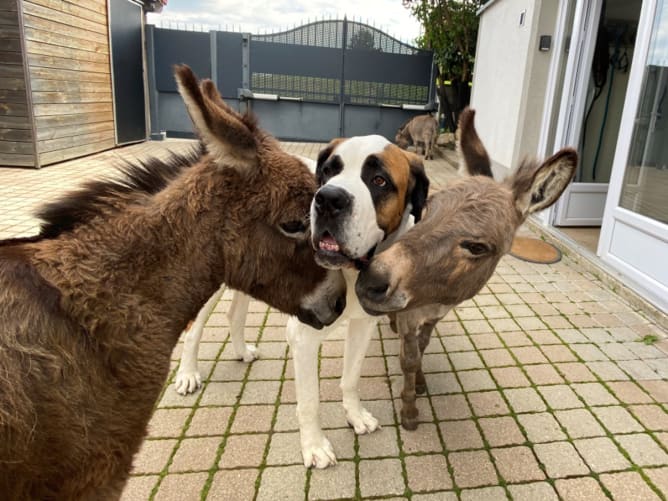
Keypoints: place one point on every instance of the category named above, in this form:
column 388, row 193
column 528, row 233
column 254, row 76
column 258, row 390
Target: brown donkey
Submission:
column 91, row 308
column 449, row 256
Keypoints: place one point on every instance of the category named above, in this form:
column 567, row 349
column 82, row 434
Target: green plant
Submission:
column 650, row 339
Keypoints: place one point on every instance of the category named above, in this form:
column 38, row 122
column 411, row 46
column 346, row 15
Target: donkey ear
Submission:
column 474, row 157
column 226, row 136
column 419, row 184
column 536, row 188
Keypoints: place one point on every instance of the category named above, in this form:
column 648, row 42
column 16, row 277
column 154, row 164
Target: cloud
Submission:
column 259, row 16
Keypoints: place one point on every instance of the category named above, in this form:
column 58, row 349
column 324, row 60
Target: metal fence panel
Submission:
column 228, row 63
column 177, row 47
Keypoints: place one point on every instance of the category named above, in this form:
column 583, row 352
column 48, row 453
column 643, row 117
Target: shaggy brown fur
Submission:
column 420, row 130
column 91, row 308
column 465, row 231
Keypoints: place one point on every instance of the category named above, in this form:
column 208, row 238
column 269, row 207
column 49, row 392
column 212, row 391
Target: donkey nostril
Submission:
column 378, row 291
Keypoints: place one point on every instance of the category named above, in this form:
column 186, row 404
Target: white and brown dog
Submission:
column 370, row 192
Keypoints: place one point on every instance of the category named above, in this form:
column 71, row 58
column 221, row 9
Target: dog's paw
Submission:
column 187, row 382
column 362, row 421
column 251, row 353
column 318, row 454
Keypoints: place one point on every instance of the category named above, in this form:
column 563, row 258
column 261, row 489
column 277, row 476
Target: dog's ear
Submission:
column 324, row 155
column 418, row 186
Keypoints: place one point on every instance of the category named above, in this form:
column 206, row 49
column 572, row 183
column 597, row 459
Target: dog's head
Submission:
column 368, row 186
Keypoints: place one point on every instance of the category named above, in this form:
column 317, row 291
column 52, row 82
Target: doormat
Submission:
column 534, row 250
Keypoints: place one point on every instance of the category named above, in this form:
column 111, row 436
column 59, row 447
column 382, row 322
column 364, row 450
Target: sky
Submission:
column 261, row 16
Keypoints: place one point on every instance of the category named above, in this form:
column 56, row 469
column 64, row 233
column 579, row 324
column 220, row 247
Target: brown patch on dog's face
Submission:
column 390, row 209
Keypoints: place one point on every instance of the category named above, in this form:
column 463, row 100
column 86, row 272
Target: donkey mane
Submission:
column 140, row 177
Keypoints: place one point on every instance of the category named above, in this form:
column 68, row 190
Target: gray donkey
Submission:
column 449, row 256
column 420, row 130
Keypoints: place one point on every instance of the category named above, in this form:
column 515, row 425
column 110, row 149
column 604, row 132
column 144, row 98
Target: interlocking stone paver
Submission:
column 580, row 489
column 436, row 496
column 486, row 341
column 659, row 477
column 380, row 477
column 181, row 486
column 253, row 418
column 243, row 450
column 560, row 459
column 510, row 377
column 379, row 444
column 139, row 488
column 517, row 464
column 657, row 389
column 594, row 394
column 153, row 455
column 627, row 485
column 458, row 435
column 651, row 417
column 575, row 372
column 427, row 473
column 528, row 355
column 167, row 422
column 601, row 454
column 282, row 483
column 558, row 353
column 525, row 400
column 476, row 380
column 282, row 449
column 458, row 343
column 498, row 357
column 541, row 427
column 220, row 393
column 332, row 483
column 431, row 362
column 195, row 454
column 488, row 403
column 534, row 491
column 637, row 369
column 608, row 371
column 233, row 485
column 542, row 374
column 451, row 407
column 560, row 397
column 617, row 419
column 500, row 431
column 466, row 360
column 424, row 439
column 579, row 423
column 484, row 494
column 643, row 450
column 472, row 468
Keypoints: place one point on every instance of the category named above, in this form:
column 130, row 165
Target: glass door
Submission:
column 634, row 237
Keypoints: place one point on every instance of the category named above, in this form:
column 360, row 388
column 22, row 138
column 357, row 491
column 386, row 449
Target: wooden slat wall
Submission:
column 16, row 138
column 67, row 49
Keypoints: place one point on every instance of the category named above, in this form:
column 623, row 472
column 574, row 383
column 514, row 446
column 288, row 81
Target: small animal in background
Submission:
column 420, row 130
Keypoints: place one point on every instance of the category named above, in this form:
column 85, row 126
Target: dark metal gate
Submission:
column 312, row 83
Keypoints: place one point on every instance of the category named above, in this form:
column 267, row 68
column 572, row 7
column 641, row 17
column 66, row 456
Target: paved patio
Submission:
column 547, row 385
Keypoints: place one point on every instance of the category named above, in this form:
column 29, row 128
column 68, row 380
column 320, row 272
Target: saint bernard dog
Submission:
column 370, row 192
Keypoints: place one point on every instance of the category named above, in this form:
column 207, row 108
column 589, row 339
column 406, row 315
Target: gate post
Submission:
column 152, row 85
column 244, row 103
column 342, row 89
column 213, row 38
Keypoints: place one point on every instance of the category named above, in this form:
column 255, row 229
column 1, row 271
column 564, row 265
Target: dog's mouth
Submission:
column 331, row 253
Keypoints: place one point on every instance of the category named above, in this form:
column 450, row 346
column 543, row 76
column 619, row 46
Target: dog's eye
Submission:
column 293, row 227
column 475, row 248
column 379, row 181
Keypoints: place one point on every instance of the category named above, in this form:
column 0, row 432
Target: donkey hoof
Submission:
column 421, row 389
column 409, row 424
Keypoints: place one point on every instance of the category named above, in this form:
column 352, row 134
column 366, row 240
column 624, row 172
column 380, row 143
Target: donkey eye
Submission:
column 293, row 227
column 379, row 181
column 475, row 248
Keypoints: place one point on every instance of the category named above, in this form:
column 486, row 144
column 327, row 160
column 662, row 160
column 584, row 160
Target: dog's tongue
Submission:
column 328, row 243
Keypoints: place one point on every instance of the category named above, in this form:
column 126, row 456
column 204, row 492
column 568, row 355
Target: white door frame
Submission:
column 569, row 125
column 616, row 217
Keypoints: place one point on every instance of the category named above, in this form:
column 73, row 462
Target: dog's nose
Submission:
column 332, row 200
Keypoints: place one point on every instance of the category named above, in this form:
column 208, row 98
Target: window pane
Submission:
column 645, row 188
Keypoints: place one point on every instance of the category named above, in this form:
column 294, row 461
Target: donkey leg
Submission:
column 237, row 316
column 423, row 340
column 304, row 344
column 410, row 358
column 188, row 378
column 357, row 341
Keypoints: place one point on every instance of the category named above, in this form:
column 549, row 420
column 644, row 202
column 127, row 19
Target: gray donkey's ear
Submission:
column 474, row 158
column 229, row 137
column 536, row 187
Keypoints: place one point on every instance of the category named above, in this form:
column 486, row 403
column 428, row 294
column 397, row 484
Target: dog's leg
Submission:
column 304, row 343
column 359, row 334
column 410, row 358
column 188, row 378
column 237, row 316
